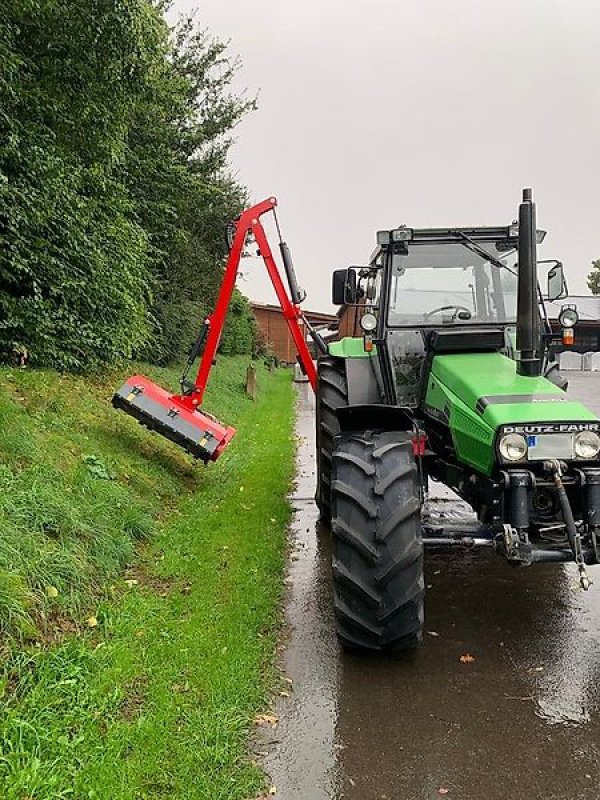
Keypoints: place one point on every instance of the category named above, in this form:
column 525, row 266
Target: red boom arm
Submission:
column 249, row 222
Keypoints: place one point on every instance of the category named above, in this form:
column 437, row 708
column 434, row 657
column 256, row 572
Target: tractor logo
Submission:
column 559, row 427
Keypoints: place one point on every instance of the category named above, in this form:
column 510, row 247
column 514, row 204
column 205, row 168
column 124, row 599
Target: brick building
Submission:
column 275, row 329
column 348, row 317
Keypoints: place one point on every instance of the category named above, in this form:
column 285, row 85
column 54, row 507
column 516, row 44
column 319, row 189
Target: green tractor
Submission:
column 450, row 380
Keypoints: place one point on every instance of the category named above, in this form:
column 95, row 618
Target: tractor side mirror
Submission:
column 557, row 286
column 343, row 287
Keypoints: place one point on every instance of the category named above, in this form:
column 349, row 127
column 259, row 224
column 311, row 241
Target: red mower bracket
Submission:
column 179, row 417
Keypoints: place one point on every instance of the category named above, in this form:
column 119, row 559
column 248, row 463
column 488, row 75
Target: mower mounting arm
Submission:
column 249, row 223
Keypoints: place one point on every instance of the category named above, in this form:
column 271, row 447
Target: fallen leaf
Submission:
column 467, row 658
column 91, row 622
column 266, row 719
column 284, row 694
column 51, row 591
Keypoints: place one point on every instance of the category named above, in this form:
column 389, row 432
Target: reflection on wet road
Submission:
column 521, row 720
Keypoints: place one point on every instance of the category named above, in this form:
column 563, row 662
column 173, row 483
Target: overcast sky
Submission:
column 374, row 113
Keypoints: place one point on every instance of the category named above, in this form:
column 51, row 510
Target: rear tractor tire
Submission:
column 378, row 581
column 332, row 393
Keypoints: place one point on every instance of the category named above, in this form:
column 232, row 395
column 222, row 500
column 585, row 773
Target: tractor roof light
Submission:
column 513, row 232
column 513, row 447
column 401, row 234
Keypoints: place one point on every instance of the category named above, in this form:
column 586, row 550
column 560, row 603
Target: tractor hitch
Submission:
column 518, row 551
column 566, row 538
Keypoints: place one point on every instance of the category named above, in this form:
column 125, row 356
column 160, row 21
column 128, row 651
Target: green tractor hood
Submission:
column 476, row 393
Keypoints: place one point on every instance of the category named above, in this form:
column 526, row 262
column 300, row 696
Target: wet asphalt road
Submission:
column 521, row 720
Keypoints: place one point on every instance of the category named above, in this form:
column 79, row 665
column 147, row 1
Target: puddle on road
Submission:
column 302, row 760
column 567, row 690
column 520, row 721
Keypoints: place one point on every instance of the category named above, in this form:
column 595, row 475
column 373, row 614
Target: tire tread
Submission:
column 332, row 393
column 377, row 546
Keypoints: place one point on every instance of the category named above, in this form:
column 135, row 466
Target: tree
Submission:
column 74, row 276
column 594, row 277
column 114, row 187
column 240, row 332
column 177, row 171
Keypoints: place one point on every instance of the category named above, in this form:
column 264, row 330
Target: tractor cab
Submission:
column 428, row 290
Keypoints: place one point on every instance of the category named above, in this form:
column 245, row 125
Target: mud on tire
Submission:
column 332, row 393
column 377, row 546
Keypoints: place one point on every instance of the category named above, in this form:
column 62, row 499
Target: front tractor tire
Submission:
column 332, row 393
column 378, row 581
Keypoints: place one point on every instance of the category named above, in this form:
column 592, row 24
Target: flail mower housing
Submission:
column 201, row 434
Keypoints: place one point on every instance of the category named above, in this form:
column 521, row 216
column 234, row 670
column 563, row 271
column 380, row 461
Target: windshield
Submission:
column 449, row 284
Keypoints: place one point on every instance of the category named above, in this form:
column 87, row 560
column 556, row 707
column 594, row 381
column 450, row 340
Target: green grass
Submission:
column 156, row 700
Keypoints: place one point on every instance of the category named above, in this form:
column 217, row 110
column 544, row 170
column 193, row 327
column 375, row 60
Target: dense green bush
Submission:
column 76, row 290
column 240, row 332
column 114, row 191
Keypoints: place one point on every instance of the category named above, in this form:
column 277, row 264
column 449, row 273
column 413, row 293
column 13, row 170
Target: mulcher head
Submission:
column 196, row 431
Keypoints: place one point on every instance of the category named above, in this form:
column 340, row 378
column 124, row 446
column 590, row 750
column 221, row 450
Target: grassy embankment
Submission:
column 143, row 683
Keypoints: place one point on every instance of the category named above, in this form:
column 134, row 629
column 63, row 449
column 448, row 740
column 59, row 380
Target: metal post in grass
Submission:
column 251, row 381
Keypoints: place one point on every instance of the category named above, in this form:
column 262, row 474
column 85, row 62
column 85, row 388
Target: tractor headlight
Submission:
column 513, row 447
column 587, row 444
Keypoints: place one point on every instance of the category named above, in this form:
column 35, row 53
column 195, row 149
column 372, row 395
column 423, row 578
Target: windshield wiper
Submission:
column 481, row 251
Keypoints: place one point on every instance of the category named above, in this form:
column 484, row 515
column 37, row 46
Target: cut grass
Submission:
column 157, row 699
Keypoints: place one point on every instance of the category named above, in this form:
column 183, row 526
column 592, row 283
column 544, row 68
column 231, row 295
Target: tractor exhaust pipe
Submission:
column 528, row 336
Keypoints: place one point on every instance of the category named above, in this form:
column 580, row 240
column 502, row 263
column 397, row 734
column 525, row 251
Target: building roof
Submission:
column 311, row 315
